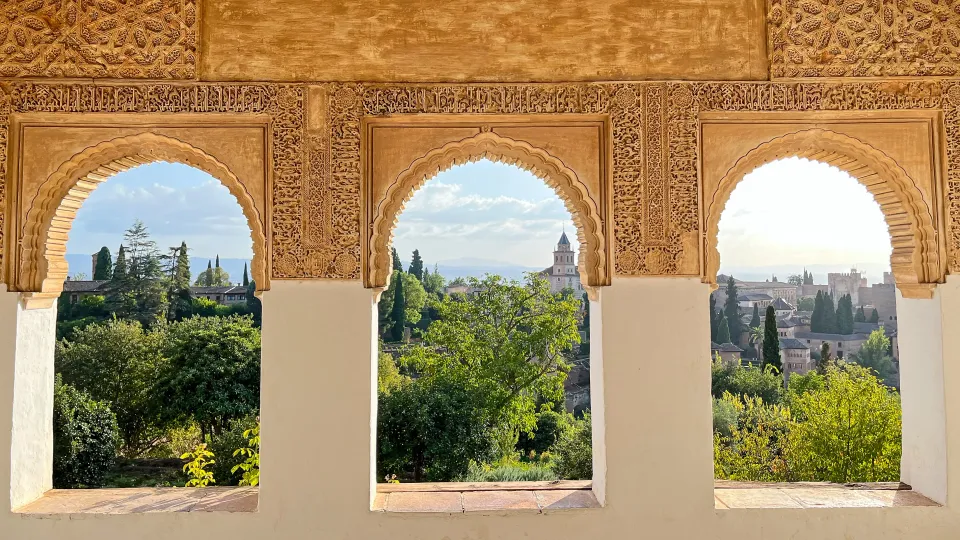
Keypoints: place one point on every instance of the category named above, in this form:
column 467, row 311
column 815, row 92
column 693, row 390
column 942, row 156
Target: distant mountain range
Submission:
column 473, row 267
column 234, row 267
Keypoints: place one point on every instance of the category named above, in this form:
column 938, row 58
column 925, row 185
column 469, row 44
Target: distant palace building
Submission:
column 563, row 274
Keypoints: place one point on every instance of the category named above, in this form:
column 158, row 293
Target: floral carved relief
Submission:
column 147, row 39
column 864, row 38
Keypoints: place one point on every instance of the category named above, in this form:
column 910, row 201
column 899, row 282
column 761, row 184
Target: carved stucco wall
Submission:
column 316, row 148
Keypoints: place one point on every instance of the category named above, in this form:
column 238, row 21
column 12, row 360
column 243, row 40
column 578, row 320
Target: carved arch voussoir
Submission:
column 584, row 210
column 43, row 267
column 915, row 261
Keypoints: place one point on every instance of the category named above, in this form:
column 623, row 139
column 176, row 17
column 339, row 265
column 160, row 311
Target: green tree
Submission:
column 213, row 371
column 397, row 263
column 723, row 330
column 875, row 316
column 416, row 265
column 415, row 299
column 816, row 320
column 796, row 279
column 573, row 451
column 807, row 277
column 732, row 311
column 873, row 355
column 848, row 431
column 213, row 277
column 85, row 438
column 829, row 315
column 246, row 277
column 433, row 282
column 103, row 270
column 117, row 362
column 806, row 304
column 753, row 450
column 755, row 320
column 399, row 312
column 845, row 315
column 825, row 358
column 205, row 278
column 771, row 340
column 254, row 307
column 860, row 316
column 139, row 292
column 740, row 380
column 178, row 291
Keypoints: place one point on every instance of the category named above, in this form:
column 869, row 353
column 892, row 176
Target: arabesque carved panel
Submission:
column 864, row 38
column 142, row 39
column 316, row 219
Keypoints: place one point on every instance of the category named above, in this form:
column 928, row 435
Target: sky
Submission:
column 789, row 213
column 176, row 202
column 799, row 212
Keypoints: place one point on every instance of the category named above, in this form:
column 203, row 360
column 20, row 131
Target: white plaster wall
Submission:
column 924, row 462
column 26, row 358
column 317, row 373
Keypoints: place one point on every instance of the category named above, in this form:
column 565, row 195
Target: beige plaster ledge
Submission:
column 467, row 497
column 144, row 500
column 736, row 495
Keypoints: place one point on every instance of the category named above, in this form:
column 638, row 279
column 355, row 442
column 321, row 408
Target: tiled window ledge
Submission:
column 736, row 495
column 464, row 497
column 144, row 500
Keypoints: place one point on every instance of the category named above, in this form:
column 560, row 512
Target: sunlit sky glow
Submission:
column 791, row 213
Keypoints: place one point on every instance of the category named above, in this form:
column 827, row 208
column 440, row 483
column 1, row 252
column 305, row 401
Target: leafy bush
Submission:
column 724, row 417
column 754, row 448
column 751, row 381
column 224, row 446
column 509, row 471
column 550, row 425
column 85, row 438
column 196, row 466
column 573, row 451
column 251, row 454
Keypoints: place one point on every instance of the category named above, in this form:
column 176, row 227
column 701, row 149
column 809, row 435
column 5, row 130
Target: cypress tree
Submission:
column 723, row 330
column 771, row 340
column 182, row 268
column 416, row 265
column 246, row 278
column 755, row 320
column 713, row 319
column 824, row 358
column 120, row 267
column 398, row 314
column 103, row 270
column 732, row 311
column 397, row 264
column 208, row 276
column 829, row 315
column 860, row 316
column 816, row 320
column 218, row 261
column 875, row 316
column 845, row 315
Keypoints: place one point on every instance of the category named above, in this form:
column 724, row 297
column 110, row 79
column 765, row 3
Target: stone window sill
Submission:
column 144, row 500
column 465, row 497
column 739, row 495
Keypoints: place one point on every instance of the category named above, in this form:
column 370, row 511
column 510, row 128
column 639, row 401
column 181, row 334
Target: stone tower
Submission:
column 564, row 273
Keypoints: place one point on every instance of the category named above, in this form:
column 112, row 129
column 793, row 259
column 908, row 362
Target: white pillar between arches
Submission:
column 656, row 409
column 27, row 340
column 318, row 398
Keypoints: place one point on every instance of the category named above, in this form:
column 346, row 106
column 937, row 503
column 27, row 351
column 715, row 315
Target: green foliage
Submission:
column 138, row 292
column 213, row 370
column 713, row 319
column 397, row 264
column 875, row 316
column 432, row 428
column 550, row 426
column 388, row 375
column 723, row 329
column 816, row 320
column 399, row 313
column 251, row 464
column 509, row 471
column 213, row 277
column 845, row 315
column 196, row 466
column 103, row 270
column 860, row 316
column 732, row 311
column 848, row 431
column 806, row 304
column 225, row 444
column 246, row 276
column 573, row 452
column 873, row 354
column 755, row 319
column 414, row 300
column 724, row 417
column 795, row 279
column 433, row 282
column 740, row 380
column 771, row 340
column 753, row 450
column 830, row 325
column 178, row 292
column 416, row 266
column 807, row 277
column 85, row 438
column 117, row 362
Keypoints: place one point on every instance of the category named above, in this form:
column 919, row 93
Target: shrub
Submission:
column 509, row 471
column 224, row 445
column 724, row 417
column 750, row 381
column 85, row 438
column 550, row 425
column 573, row 451
column 196, row 466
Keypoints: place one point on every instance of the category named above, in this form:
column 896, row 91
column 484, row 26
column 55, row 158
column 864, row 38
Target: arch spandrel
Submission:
column 915, row 260
column 42, row 239
column 585, row 211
